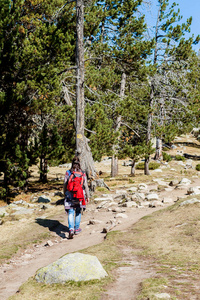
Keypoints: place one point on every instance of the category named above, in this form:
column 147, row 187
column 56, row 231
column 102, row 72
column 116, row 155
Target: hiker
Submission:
column 75, row 201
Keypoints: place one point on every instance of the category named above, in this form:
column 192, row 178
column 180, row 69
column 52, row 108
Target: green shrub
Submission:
column 152, row 165
column 166, row 157
column 198, row 167
column 165, row 149
column 179, row 157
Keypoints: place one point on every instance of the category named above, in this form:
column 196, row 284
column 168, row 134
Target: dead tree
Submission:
column 82, row 148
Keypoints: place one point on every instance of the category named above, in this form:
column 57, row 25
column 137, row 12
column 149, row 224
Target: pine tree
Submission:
column 120, row 51
column 166, row 89
column 36, row 46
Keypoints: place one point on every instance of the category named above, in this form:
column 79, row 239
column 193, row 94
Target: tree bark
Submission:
column 158, row 154
column 114, row 162
column 82, row 148
column 133, row 168
column 149, row 124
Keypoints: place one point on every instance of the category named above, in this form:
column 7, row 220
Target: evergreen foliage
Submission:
column 134, row 88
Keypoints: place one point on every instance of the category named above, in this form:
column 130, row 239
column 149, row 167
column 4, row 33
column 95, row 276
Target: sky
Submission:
column 191, row 8
column 188, row 8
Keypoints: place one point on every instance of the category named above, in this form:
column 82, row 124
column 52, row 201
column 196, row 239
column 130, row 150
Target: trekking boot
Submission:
column 77, row 231
column 71, row 234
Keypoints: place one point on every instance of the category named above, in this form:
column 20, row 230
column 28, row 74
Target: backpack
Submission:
column 75, row 185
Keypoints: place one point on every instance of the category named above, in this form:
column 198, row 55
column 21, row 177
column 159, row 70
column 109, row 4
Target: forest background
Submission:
column 139, row 83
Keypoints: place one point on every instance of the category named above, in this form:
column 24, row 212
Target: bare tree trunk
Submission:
column 133, row 168
column 149, row 124
column 114, row 162
column 82, row 148
column 43, row 169
column 158, row 154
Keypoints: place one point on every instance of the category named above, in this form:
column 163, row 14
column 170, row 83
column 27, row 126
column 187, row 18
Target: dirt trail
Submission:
column 21, row 268
column 17, row 272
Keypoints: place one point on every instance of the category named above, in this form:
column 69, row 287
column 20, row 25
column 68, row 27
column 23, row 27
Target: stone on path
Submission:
column 185, row 181
column 163, row 296
column 121, row 215
column 151, row 197
column 104, row 198
column 75, row 267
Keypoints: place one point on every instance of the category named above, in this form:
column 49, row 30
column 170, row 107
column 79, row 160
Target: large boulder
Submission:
column 71, row 267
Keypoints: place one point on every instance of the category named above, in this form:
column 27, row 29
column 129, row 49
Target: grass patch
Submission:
column 170, row 238
column 21, row 235
column 180, row 157
column 152, row 286
column 172, row 235
column 152, row 165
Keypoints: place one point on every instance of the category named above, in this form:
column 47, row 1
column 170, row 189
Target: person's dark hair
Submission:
column 76, row 166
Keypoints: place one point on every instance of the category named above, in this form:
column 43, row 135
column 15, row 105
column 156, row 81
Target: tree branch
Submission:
column 130, row 128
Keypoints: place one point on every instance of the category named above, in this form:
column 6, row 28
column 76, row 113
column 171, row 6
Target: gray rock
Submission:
column 75, row 267
column 43, row 199
column 107, row 196
column 19, row 202
column 103, row 199
column 151, row 197
column 185, row 181
column 132, row 189
column 116, row 209
column 155, row 204
column 144, row 204
column 130, row 204
column 121, row 215
column 163, row 296
column 167, row 200
column 138, row 196
column 49, row 243
column 119, row 197
column 194, row 190
column 121, row 192
column 142, row 186
column 181, row 163
column 191, row 201
column 112, row 204
column 3, row 212
column 34, row 199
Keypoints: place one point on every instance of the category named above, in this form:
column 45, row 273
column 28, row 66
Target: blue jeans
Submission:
column 71, row 212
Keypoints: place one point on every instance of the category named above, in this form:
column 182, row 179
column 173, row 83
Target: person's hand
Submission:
column 87, row 200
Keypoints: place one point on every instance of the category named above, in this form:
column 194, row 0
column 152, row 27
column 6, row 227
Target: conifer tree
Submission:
column 169, row 63
column 35, row 47
column 121, row 45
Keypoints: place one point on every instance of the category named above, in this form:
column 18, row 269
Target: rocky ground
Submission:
column 127, row 201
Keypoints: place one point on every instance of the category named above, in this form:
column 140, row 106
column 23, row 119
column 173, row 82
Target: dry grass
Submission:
column 172, row 235
column 170, row 238
column 22, row 231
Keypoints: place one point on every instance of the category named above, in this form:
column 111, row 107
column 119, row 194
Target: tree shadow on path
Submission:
column 54, row 226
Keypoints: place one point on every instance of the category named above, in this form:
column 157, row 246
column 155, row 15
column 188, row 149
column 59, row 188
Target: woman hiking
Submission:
column 76, row 195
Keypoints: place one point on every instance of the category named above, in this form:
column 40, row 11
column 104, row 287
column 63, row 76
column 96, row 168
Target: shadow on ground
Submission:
column 54, row 226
